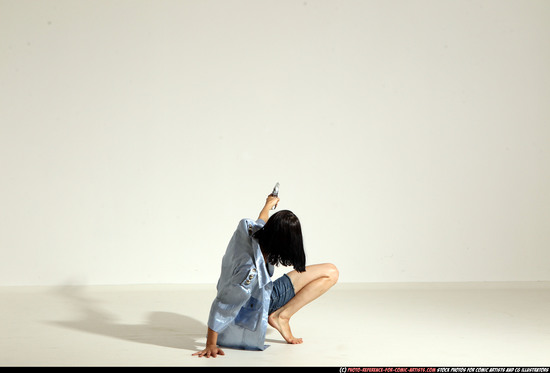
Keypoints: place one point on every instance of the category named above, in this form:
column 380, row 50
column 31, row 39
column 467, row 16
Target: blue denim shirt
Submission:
column 239, row 312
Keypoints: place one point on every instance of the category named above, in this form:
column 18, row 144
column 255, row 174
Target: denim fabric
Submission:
column 239, row 312
column 282, row 292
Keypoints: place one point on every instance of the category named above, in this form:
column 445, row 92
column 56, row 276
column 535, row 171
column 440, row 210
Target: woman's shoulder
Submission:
column 247, row 224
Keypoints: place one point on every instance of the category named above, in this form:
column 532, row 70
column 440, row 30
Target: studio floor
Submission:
column 423, row 324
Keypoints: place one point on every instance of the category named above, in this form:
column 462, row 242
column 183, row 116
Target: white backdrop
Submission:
column 410, row 137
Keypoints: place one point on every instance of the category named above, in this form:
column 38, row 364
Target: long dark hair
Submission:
column 281, row 240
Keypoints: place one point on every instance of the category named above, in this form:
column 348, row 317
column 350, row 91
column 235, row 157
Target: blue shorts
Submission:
column 283, row 291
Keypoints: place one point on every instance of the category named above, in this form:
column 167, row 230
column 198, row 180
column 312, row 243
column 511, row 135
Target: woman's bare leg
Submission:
column 308, row 285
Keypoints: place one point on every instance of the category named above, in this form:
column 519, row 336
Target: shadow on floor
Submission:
column 164, row 329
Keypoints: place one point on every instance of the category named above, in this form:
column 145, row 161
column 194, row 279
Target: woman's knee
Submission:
column 332, row 272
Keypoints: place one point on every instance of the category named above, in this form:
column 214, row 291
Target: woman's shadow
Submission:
column 164, row 329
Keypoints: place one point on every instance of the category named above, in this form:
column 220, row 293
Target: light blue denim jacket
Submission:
column 239, row 312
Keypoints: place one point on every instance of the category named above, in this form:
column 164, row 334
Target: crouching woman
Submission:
column 247, row 300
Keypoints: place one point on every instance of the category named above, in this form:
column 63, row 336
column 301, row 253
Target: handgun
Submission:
column 275, row 193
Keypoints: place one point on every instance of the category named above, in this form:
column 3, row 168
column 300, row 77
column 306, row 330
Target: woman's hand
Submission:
column 271, row 201
column 212, row 350
column 211, row 346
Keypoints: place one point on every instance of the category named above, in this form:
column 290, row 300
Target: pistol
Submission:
column 275, row 193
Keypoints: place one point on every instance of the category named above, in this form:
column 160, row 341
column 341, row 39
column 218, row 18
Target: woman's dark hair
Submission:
column 281, row 241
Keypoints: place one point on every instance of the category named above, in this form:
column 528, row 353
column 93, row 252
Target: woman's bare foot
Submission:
column 283, row 326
